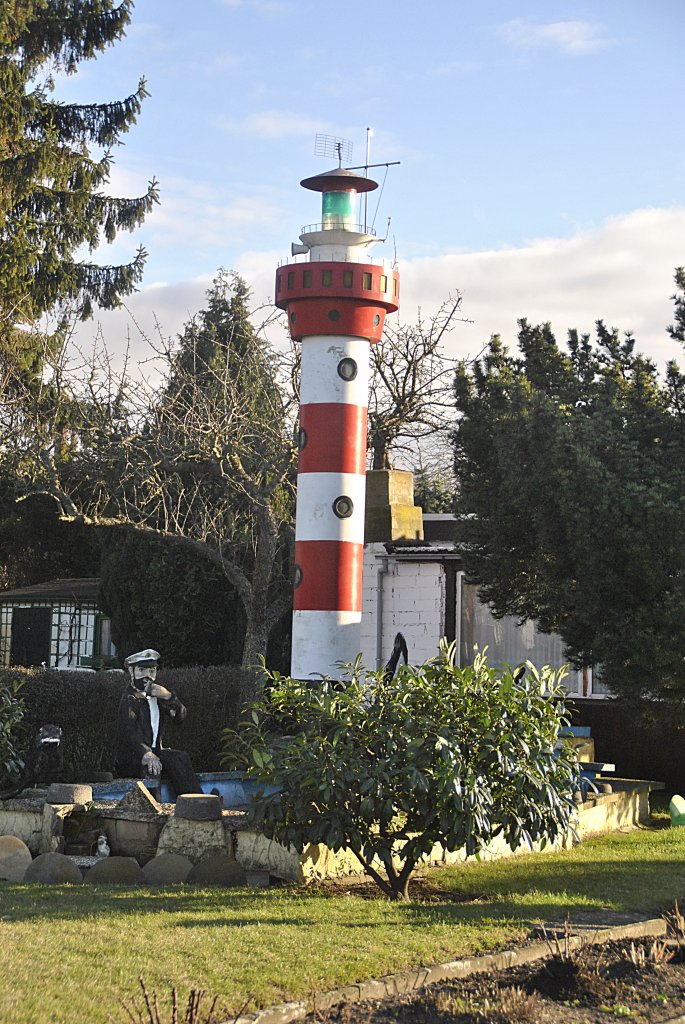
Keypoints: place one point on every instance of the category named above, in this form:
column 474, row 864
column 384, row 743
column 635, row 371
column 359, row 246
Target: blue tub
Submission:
column 234, row 787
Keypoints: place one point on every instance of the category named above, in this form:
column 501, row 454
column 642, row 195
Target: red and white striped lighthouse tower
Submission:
column 336, row 304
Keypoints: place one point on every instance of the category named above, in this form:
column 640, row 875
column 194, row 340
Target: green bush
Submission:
column 11, row 714
column 389, row 768
column 85, row 705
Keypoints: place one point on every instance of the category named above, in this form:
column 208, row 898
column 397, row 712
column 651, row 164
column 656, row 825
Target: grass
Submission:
column 69, row 954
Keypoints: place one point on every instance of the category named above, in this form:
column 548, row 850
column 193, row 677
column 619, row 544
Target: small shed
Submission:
column 56, row 624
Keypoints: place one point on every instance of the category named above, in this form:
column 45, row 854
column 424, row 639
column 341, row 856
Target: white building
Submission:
column 414, row 584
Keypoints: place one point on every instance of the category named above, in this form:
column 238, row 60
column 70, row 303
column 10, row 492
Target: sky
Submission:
column 542, row 157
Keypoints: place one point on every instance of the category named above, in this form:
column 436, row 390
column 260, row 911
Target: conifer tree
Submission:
column 55, row 159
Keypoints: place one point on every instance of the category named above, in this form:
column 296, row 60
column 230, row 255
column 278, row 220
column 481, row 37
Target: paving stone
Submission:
column 53, row 869
column 198, row 807
column 116, row 871
column 139, row 798
column 167, row 869
column 64, row 793
column 220, row 870
column 15, row 857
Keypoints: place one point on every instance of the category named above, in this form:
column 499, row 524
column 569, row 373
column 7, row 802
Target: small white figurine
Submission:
column 103, row 846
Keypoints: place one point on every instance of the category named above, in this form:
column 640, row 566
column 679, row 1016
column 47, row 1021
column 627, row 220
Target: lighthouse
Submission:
column 336, row 301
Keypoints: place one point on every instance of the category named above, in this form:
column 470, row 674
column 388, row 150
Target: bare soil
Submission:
column 594, row 985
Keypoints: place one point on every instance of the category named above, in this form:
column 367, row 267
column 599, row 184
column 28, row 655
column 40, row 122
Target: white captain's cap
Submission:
column 147, row 657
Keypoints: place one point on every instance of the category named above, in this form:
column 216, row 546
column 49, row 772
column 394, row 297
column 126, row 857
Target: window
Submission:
column 291, row 279
column 326, row 278
column 347, row 278
column 384, row 283
column 394, row 287
column 280, row 283
column 307, row 279
column 366, row 282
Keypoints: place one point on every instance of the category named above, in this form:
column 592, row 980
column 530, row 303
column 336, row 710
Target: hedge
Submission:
column 85, row 705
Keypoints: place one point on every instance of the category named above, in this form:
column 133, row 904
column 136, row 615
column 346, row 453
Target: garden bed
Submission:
column 596, row 984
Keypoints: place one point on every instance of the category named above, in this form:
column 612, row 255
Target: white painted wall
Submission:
column 413, row 604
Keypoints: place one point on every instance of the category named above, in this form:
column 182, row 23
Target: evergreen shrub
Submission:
column 85, row 705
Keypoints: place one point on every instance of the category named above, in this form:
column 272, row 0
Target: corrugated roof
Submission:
column 79, row 590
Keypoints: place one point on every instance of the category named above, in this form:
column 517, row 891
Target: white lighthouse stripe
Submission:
column 321, row 641
column 315, row 518
column 320, row 380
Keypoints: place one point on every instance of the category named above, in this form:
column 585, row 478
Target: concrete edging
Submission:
column 392, row 985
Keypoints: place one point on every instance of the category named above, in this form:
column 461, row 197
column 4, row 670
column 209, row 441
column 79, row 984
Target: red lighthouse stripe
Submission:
column 334, row 438
column 331, row 576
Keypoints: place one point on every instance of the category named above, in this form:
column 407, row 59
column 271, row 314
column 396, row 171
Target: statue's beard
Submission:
column 141, row 684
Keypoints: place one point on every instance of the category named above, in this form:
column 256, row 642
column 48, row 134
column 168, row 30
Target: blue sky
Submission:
column 541, row 148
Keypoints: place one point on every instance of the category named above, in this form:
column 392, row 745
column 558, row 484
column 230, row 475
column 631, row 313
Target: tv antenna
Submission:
column 331, row 145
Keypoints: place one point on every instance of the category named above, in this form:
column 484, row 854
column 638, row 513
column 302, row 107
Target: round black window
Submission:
column 333, row 314
column 347, row 368
column 343, row 507
column 297, row 576
column 293, row 318
column 301, row 438
column 376, row 320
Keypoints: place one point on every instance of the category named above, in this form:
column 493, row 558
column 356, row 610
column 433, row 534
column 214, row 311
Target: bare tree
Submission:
column 411, row 399
column 200, row 451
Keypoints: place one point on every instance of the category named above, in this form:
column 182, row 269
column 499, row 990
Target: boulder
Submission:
column 167, row 869
column 219, row 870
column 65, row 793
column 116, row 871
column 198, row 807
column 15, row 857
column 53, row 869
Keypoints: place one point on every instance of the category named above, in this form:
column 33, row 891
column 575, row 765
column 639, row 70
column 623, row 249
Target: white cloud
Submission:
column 572, row 37
column 621, row 273
column 273, row 124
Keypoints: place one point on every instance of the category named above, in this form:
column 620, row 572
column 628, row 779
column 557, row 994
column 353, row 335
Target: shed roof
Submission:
column 78, row 590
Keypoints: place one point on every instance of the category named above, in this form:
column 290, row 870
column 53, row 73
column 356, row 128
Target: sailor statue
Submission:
column 144, row 708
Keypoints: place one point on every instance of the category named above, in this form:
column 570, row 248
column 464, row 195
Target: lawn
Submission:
column 70, row 954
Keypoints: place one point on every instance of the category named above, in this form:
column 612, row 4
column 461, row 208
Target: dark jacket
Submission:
column 134, row 729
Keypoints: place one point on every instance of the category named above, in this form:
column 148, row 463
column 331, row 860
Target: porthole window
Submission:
column 293, row 318
column 343, row 507
column 297, row 576
column 347, row 368
column 333, row 314
column 376, row 320
column 301, row 438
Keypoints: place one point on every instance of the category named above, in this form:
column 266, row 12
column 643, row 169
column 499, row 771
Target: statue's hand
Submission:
column 152, row 764
column 155, row 690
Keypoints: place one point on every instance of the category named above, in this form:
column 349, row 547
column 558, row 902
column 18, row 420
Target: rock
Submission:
column 198, row 807
column 64, row 793
column 116, row 871
column 220, row 871
column 101, row 777
column 139, row 798
column 167, row 869
column 195, row 839
column 15, row 857
column 606, row 787
column 53, row 869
